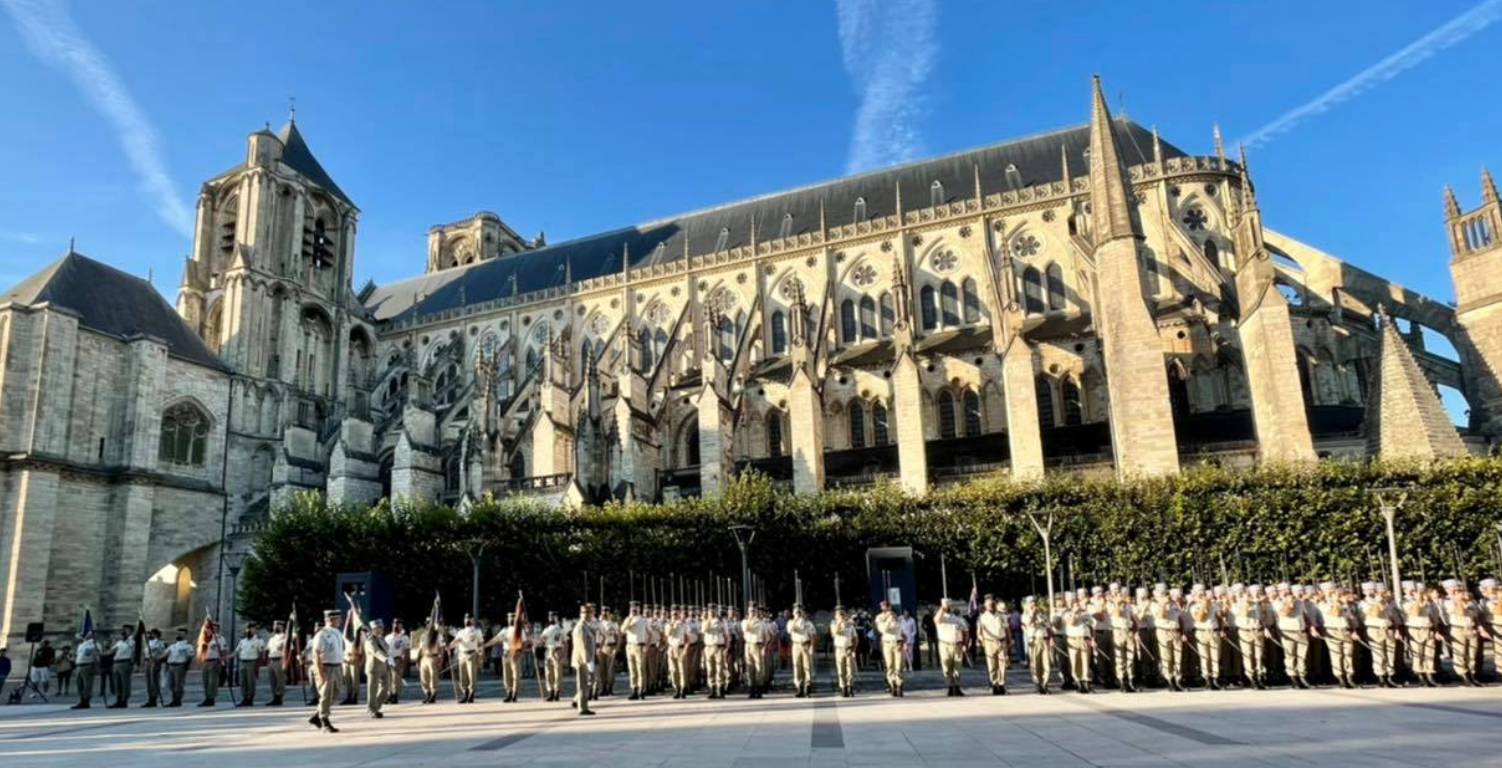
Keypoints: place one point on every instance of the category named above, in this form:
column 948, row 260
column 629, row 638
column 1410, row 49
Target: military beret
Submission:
column 1097, row 591
column 278, row 624
column 332, row 614
column 1175, row 592
column 990, row 596
column 1488, row 583
column 1409, row 584
column 182, row 629
column 1141, row 592
column 377, row 623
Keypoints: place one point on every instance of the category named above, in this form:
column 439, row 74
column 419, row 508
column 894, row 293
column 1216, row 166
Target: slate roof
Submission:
column 113, row 302
column 298, row 157
column 1005, row 166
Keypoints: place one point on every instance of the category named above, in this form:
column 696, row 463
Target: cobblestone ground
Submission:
column 1371, row 727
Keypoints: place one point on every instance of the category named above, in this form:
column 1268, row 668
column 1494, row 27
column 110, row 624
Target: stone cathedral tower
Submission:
column 1476, row 269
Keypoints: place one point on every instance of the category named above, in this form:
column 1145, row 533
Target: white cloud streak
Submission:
column 888, row 48
column 52, row 37
column 1457, row 30
column 18, row 236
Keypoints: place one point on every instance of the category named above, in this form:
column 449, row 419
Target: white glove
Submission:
column 590, row 666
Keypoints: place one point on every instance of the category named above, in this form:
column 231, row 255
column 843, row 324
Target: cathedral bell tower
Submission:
column 268, row 281
column 1476, row 270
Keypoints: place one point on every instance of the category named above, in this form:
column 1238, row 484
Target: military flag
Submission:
column 518, row 625
column 293, row 651
column 138, row 654
column 86, row 625
column 206, row 635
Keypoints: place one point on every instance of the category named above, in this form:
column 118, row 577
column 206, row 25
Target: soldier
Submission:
column 1293, row 627
column 1421, row 618
column 1209, row 629
column 276, row 648
column 610, row 638
column 248, row 657
column 952, row 632
column 1147, row 635
column 1037, row 628
column 637, row 631
column 354, row 663
column 1079, row 635
column 179, row 656
column 552, row 640
column 378, row 664
column 512, row 649
column 1122, row 623
column 1491, row 610
column 431, row 649
column 584, row 641
column 327, row 652
column 1103, row 655
column 123, row 668
column 846, row 640
column 1169, row 636
column 87, row 654
column 211, row 652
column 1383, row 623
column 803, row 634
column 1252, row 622
column 675, row 631
column 735, row 651
column 716, row 642
column 467, row 642
column 1466, row 632
column 400, row 644
column 995, row 640
column 1338, row 630
column 156, row 660
column 889, row 626
column 754, row 630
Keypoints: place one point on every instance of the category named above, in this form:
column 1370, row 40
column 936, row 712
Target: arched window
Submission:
column 690, row 437
column 868, row 318
column 972, row 414
column 936, row 194
column 950, row 300
column 1045, row 402
column 774, row 434
column 184, row 436
column 1070, row 392
column 972, row 301
column 531, row 360
column 518, row 466
column 1212, row 252
column 644, row 349
column 779, row 333
column 659, row 344
column 860, row 209
column 1032, row 291
column 857, row 425
column 946, row 415
column 1055, row 288
column 727, row 340
column 880, row 434
column 929, row 308
column 847, row 321
column 888, row 315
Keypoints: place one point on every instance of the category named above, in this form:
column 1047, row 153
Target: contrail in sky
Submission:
column 1453, row 32
column 888, row 48
column 53, row 37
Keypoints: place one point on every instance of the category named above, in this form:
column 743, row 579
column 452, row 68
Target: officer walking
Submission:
column 585, row 645
column 378, row 664
column 553, row 638
column 327, row 651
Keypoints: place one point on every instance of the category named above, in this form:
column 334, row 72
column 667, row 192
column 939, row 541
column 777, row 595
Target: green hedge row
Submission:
column 1266, row 524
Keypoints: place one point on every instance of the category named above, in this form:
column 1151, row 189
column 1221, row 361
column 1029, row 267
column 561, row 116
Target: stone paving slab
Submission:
column 1327, row 728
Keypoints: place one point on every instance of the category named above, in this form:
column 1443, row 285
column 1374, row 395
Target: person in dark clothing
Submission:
column 931, row 633
column 4, row 668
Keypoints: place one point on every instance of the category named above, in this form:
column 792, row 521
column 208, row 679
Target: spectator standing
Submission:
column 4, row 668
column 41, row 668
column 1014, row 623
column 63, row 669
column 910, row 635
column 931, row 633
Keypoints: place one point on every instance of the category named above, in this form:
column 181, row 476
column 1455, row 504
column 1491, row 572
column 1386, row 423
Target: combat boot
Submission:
column 328, row 727
column 315, row 721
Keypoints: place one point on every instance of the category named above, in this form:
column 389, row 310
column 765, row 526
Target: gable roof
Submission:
column 1005, row 166
column 112, row 302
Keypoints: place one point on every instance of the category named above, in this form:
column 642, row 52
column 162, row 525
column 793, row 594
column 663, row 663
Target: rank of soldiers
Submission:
column 1236, row 635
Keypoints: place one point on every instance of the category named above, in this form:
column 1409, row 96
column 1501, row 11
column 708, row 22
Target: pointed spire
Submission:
column 1220, row 146
column 626, row 257
column 823, row 228
column 979, row 198
column 1064, row 163
column 1452, row 206
column 291, row 110
column 1488, row 187
column 1405, row 418
column 1248, row 195
column 1113, row 214
column 70, row 245
column 899, row 202
column 1157, row 147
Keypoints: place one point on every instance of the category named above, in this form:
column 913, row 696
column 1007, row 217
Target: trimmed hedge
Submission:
column 1265, row 524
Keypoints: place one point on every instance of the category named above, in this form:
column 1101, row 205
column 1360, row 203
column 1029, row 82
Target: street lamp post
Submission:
column 1390, row 500
column 234, row 561
column 476, row 549
column 744, row 535
column 1045, row 531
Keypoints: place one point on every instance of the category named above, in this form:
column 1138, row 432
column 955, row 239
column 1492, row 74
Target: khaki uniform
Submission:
column 328, row 651
column 400, row 644
column 679, row 639
column 467, row 646
column 1340, row 637
column 1293, row 628
column 610, row 639
column 846, row 639
column 511, row 658
column 248, row 657
column 1168, row 630
column 1383, row 622
column 552, row 643
column 889, row 626
column 585, row 646
column 210, row 666
column 87, row 655
column 716, row 649
column 123, row 669
column 637, row 632
column 378, row 664
column 1251, row 618
column 1464, row 618
column 1209, row 624
column 757, row 636
column 1039, row 633
column 1123, row 641
column 995, row 639
column 803, row 635
column 276, row 648
column 951, row 630
column 1079, row 632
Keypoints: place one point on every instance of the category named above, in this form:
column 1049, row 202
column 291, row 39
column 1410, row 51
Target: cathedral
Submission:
column 1089, row 300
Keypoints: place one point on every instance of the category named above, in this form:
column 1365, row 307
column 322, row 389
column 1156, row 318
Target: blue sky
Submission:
column 577, row 117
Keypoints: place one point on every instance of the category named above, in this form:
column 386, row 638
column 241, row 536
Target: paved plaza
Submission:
column 1328, row 728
